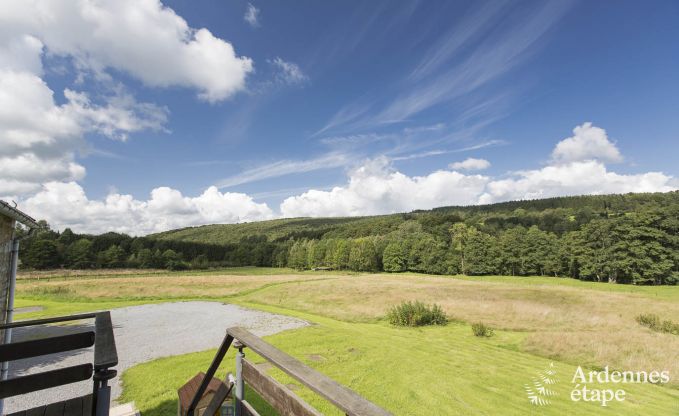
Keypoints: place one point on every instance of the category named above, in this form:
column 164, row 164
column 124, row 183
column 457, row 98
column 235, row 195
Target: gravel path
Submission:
column 144, row 333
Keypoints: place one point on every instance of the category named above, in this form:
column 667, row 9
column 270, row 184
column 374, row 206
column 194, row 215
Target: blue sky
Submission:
column 282, row 102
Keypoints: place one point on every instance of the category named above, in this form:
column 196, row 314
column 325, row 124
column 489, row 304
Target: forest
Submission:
column 631, row 238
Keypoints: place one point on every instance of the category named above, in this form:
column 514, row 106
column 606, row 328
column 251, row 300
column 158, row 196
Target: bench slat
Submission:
column 46, row 380
column 51, row 345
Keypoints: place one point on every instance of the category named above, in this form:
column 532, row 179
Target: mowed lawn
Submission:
column 436, row 370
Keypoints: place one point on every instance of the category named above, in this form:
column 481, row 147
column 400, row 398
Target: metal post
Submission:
column 101, row 395
column 240, row 383
column 14, row 261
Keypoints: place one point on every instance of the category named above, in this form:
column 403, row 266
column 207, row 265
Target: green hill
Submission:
column 556, row 215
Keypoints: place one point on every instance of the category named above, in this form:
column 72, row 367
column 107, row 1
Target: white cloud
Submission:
column 286, row 167
column 121, row 115
column 589, row 177
column 450, row 70
column 470, row 164
column 141, row 37
column 66, row 205
column 588, row 142
column 39, row 139
column 375, row 188
column 252, row 15
column 289, row 72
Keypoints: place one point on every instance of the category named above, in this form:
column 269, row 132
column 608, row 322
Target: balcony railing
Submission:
column 100, row 370
column 286, row 402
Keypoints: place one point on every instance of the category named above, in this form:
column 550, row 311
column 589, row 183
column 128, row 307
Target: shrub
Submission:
column 416, row 314
column 653, row 322
column 650, row 320
column 482, row 330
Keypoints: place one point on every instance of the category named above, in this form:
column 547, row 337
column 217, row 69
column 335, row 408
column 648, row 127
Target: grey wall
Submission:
column 6, row 232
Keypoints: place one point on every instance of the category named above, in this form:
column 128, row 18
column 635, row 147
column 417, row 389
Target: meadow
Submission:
column 429, row 370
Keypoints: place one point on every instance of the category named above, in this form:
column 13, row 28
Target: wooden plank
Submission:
column 247, row 409
column 55, row 409
column 38, row 347
column 73, row 407
column 45, row 321
column 36, row 411
column 105, row 354
column 342, row 397
column 276, row 394
column 221, row 352
column 87, row 405
column 82, row 405
column 41, row 381
column 217, row 400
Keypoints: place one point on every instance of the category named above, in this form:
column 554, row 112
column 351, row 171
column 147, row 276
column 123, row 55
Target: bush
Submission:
column 653, row 322
column 416, row 314
column 650, row 320
column 482, row 330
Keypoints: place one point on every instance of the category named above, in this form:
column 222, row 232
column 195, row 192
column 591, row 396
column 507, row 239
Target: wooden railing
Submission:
column 100, row 370
column 286, row 402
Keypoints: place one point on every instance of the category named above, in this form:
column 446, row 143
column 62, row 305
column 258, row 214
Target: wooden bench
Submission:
column 105, row 357
column 80, row 406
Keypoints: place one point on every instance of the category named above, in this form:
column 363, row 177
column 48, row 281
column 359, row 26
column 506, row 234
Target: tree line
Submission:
column 638, row 247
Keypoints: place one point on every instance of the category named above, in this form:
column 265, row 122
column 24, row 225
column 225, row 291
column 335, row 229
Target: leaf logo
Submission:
column 538, row 391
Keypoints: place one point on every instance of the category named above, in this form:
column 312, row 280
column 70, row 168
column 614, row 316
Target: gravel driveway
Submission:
column 144, row 333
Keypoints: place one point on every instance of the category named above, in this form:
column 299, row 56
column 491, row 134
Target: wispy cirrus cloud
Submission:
column 485, row 45
column 251, row 15
column 286, row 167
column 288, row 72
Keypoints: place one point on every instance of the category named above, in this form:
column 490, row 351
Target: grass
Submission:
column 536, row 321
column 403, row 370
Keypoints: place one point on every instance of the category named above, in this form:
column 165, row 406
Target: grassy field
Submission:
column 537, row 321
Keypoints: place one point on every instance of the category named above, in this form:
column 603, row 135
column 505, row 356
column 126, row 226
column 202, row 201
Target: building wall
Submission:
column 6, row 232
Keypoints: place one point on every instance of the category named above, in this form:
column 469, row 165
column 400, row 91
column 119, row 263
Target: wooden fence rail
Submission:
column 285, row 401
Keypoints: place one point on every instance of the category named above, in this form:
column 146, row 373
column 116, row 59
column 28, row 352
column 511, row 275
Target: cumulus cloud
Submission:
column 588, row 142
column 251, row 15
column 140, row 37
column 470, row 164
column 66, row 205
column 39, row 139
column 376, row 188
column 589, row 177
column 41, row 134
column 577, row 168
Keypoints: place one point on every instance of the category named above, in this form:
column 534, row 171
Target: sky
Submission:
column 140, row 116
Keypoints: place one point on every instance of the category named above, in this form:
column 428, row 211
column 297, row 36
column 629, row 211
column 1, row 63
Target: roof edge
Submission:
column 10, row 211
